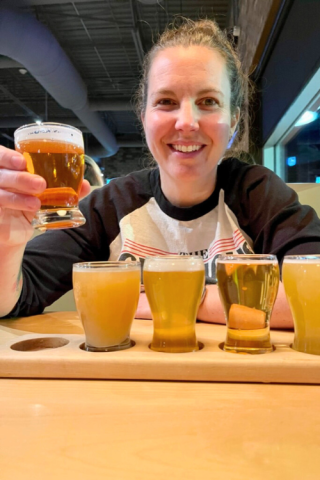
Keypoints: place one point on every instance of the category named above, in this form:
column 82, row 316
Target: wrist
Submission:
column 210, row 309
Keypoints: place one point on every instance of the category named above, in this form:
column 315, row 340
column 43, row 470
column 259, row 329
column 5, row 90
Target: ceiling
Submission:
column 105, row 41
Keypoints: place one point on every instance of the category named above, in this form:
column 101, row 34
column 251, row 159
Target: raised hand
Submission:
column 18, row 203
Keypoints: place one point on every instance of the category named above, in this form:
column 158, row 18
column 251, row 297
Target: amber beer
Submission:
column 301, row 279
column 106, row 296
column 174, row 286
column 56, row 153
column 248, row 286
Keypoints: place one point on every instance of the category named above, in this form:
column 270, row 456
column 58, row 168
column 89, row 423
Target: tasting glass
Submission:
column 301, row 280
column 174, row 285
column 55, row 152
column 248, row 286
column 106, row 296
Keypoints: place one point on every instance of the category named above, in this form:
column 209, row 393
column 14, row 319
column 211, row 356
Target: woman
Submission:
column 189, row 101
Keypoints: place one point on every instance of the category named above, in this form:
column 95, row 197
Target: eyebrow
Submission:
column 209, row 90
column 201, row 92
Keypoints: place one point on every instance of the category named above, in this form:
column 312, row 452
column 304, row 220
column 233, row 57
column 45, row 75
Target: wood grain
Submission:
column 142, row 430
column 284, row 365
column 55, row 429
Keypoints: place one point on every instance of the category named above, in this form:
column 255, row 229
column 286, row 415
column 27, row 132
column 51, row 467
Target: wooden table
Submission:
column 81, row 429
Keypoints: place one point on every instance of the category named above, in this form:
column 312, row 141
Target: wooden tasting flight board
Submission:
column 210, row 364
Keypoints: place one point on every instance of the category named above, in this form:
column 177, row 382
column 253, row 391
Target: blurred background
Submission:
column 79, row 62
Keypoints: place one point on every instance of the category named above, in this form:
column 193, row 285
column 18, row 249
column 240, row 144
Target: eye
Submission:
column 208, row 102
column 165, row 102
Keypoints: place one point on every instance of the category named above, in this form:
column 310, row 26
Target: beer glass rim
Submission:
column 244, row 258
column 47, row 124
column 173, row 263
column 105, row 264
column 301, row 258
column 173, row 257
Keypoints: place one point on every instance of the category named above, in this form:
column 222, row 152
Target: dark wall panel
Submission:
column 294, row 60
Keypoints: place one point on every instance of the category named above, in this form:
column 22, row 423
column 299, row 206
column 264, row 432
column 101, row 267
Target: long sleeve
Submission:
column 269, row 211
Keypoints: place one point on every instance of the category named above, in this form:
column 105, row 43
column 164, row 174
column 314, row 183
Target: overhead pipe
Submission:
column 30, row 43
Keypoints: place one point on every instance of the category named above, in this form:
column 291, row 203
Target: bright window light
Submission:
column 306, row 117
column 291, row 161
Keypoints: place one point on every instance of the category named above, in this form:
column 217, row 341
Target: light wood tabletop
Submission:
column 80, row 429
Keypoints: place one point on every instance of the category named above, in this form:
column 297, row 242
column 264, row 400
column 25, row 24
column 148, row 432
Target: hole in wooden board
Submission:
column 82, row 346
column 200, row 345
column 36, row 344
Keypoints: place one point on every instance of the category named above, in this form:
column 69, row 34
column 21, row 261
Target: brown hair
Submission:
column 205, row 33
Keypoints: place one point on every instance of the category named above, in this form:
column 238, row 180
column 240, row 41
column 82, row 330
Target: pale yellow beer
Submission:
column 55, row 152
column 106, row 296
column 248, row 286
column 301, row 279
column 174, row 286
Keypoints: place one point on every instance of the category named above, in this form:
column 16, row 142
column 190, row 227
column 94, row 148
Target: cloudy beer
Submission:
column 301, row 279
column 106, row 296
column 56, row 153
column 174, row 286
column 248, row 286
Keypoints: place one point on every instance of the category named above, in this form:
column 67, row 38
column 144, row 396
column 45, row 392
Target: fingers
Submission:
column 85, row 189
column 11, row 159
column 18, row 187
column 23, row 182
column 18, row 201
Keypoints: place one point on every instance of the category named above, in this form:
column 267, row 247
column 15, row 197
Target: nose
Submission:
column 187, row 117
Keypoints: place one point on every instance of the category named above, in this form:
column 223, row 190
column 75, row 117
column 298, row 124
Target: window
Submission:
column 293, row 150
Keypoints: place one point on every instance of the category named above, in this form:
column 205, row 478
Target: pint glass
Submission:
column 248, row 286
column 56, row 153
column 301, row 279
column 106, row 296
column 174, row 286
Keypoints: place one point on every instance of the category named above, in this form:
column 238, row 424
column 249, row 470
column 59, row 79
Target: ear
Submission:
column 234, row 120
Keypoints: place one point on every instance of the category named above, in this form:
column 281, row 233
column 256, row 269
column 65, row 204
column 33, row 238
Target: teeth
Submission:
column 189, row 148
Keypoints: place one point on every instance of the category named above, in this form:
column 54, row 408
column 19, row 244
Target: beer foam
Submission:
column 302, row 259
column 242, row 261
column 179, row 264
column 121, row 269
column 54, row 132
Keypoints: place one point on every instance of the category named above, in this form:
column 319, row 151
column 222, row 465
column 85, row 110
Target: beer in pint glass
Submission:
column 248, row 286
column 301, row 279
column 174, row 286
column 106, row 296
column 56, row 153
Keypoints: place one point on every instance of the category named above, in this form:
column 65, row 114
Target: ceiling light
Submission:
column 23, row 71
column 306, row 117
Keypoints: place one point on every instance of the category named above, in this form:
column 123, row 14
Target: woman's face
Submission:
column 187, row 120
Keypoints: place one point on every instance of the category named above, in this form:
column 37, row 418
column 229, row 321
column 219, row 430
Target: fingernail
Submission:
column 18, row 162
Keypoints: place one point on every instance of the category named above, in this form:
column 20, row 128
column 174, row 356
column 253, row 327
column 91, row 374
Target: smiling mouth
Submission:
column 186, row 148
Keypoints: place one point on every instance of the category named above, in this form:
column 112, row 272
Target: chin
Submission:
column 187, row 173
